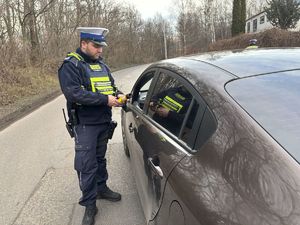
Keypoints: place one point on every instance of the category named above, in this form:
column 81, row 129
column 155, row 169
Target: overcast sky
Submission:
column 148, row 8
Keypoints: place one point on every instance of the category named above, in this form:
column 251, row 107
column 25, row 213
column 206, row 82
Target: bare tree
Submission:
column 254, row 7
column 46, row 29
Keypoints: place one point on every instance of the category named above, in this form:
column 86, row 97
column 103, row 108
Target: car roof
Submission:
column 244, row 63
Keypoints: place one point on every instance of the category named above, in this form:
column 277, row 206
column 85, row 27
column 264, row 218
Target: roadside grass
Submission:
column 25, row 82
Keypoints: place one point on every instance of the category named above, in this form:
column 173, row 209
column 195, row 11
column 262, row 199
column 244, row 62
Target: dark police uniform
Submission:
column 177, row 101
column 86, row 83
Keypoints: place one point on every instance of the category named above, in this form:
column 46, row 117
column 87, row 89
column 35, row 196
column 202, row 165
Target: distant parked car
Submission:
column 231, row 156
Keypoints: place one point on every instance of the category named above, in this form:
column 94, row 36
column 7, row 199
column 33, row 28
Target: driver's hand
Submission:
column 162, row 112
column 151, row 105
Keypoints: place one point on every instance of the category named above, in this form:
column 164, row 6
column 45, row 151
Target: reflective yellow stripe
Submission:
column 180, row 96
column 252, row 47
column 171, row 104
column 106, row 90
column 168, row 104
column 102, row 85
column 76, row 55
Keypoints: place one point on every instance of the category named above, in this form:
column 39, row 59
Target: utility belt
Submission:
column 74, row 121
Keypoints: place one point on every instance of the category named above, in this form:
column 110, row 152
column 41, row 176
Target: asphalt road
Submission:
column 38, row 185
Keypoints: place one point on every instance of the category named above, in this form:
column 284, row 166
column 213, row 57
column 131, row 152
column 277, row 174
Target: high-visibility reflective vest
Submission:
column 97, row 74
column 173, row 102
column 252, row 47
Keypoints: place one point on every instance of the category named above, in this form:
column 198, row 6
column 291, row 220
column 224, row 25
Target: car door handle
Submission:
column 130, row 128
column 157, row 170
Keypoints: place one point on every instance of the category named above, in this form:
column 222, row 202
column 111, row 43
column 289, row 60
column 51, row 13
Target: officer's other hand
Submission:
column 121, row 96
column 113, row 101
column 122, row 99
column 162, row 112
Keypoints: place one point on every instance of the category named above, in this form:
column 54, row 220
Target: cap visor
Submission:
column 99, row 43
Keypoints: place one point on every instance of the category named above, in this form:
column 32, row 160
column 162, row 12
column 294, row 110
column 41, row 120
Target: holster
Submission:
column 74, row 118
column 70, row 124
column 111, row 129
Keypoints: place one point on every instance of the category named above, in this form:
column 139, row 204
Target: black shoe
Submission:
column 89, row 215
column 109, row 195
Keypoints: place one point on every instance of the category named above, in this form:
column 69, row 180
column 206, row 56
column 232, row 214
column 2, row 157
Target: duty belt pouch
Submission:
column 111, row 129
column 108, row 133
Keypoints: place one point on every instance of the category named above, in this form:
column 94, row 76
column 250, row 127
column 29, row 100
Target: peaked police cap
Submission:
column 95, row 34
column 253, row 41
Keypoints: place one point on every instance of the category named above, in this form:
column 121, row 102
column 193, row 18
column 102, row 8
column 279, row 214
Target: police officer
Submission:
column 89, row 89
column 170, row 107
column 252, row 44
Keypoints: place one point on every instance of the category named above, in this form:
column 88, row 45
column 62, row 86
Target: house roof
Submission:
column 255, row 15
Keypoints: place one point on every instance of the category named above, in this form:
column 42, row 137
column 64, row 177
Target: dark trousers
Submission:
column 90, row 162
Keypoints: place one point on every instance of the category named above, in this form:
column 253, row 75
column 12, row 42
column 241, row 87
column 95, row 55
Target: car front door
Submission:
column 134, row 115
column 162, row 142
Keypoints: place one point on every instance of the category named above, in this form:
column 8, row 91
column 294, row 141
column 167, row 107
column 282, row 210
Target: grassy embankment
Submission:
column 25, row 82
column 24, row 88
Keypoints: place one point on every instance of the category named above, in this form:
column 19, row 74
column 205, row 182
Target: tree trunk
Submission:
column 8, row 21
column 33, row 35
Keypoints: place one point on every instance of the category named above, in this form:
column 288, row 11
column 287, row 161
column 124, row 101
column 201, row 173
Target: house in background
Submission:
column 259, row 22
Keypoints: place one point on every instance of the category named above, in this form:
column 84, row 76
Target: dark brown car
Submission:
column 214, row 139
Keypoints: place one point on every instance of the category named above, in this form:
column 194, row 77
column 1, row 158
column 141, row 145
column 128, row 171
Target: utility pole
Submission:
column 165, row 40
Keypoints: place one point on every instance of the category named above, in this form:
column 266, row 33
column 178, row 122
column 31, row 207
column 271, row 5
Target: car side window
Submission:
column 207, row 128
column 169, row 103
column 141, row 90
column 187, row 133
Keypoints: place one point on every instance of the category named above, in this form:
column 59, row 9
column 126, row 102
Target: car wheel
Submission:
column 126, row 149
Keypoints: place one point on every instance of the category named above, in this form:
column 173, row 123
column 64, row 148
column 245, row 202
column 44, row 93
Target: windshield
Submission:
column 273, row 101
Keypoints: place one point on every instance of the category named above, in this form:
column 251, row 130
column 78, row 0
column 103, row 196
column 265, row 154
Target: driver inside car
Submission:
column 170, row 106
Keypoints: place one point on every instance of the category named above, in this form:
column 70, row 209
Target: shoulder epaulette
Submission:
column 76, row 55
column 74, row 58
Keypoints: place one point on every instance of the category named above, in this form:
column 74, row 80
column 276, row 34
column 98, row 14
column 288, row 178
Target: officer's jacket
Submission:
column 86, row 84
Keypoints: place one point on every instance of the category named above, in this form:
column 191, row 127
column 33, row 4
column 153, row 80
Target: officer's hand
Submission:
column 122, row 99
column 162, row 112
column 113, row 101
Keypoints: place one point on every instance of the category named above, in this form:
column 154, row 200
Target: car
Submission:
column 226, row 150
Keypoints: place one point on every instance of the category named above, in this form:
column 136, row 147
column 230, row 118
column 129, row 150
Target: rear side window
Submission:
column 274, row 102
column 187, row 133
